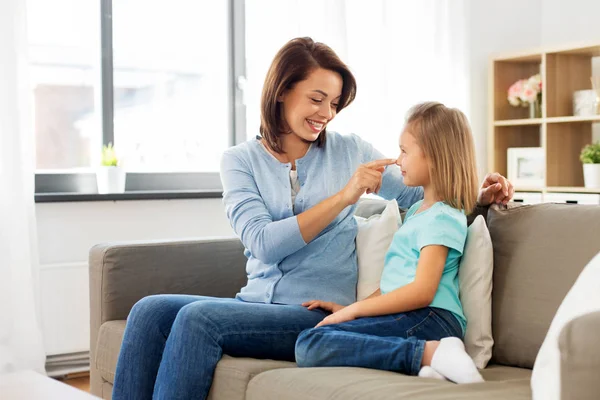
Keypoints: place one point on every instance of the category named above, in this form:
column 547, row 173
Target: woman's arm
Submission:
column 271, row 241
column 366, row 178
column 392, row 185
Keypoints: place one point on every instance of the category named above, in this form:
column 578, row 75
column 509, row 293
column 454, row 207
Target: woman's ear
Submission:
column 281, row 96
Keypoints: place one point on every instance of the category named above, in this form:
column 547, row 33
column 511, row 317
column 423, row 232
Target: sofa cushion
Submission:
column 539, row 251
column 110, row 336
column 358, row 383
column 231, row 376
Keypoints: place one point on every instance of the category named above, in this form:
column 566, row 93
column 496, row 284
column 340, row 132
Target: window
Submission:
column 171, row 84
column 64, row 51
column 155, row 79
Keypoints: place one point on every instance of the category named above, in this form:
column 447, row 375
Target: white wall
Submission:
column 66, row 232
column 515, row 25
column 571, row 21
column 495, row 27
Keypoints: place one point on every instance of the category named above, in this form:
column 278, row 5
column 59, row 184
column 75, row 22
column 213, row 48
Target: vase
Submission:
column 535, row 109
column 591, row 176
column 110, row 180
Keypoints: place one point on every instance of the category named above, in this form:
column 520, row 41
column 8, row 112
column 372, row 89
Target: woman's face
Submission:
column 412, row 161
column 312, row 103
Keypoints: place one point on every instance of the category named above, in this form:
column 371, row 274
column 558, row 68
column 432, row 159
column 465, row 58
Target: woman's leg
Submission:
column 205, row 330
column 392, row 342
column 148, row 326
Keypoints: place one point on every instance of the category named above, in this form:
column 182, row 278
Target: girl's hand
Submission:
column 346, row 314
column 366, row 178
column 325, row 305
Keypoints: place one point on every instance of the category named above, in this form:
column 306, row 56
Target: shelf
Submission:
column 561, row 120
column 519, row 122
column 557, row 189
column 565, row 189
column 552, row 120
column 560, row 134
column 528, row 189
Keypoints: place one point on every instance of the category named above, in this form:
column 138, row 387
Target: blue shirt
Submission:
column 438, row 225
column 281, row 267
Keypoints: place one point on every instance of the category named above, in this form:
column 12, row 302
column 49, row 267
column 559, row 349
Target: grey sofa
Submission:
column 538, row 253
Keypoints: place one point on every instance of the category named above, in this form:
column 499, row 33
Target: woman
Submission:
column 290, row 195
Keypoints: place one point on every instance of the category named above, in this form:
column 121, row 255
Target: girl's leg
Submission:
column 392, row 342
column 205, row 330
column 148, row 326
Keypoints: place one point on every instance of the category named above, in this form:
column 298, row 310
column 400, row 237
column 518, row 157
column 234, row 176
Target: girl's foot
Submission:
column 452, row 361
column 428, row 372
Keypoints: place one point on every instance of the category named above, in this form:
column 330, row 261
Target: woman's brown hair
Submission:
column 444, row 135
column 293, row 63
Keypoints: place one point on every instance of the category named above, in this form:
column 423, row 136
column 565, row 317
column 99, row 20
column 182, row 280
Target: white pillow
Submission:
column 583, row 298
column 475, row 280
column 372, row 242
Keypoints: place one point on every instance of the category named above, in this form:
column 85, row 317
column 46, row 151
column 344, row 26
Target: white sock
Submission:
column 428, row 372
column 452, row 361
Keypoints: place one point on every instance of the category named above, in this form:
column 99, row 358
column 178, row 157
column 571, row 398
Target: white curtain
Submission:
column 400, row 51
column 20, row 337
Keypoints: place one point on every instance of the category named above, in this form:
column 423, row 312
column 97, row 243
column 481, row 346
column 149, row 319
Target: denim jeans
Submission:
column 392, row 342
column 172, row 343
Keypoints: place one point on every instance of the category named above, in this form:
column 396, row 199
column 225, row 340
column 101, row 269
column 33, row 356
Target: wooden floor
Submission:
column 79, row 381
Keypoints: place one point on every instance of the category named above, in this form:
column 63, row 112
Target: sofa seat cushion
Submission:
column 231, row 376
column 358, row 383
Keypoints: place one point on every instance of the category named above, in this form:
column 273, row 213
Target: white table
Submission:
column 29, row 385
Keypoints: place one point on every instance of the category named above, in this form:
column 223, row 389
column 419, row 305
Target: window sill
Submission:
column 129, row 195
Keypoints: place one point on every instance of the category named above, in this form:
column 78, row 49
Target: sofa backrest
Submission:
column 539, row 251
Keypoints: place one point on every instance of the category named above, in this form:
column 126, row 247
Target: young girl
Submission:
column 414, row 323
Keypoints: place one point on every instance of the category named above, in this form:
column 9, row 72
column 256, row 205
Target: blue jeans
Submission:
column 172, row 343
column 392, row 342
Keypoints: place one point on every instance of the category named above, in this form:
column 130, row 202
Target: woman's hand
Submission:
column 343, row 315
column 495, row 189
column 367, row 177
column 325, row 305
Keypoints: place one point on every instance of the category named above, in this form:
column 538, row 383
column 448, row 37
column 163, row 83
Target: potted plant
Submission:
column 110, row 177
column 590, row 157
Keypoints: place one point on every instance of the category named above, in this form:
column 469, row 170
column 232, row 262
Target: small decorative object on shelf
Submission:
column 527, row 93
column 110, row 177
column 596, row 85
column 526, row 166
column 584, row 103
column 590, row 157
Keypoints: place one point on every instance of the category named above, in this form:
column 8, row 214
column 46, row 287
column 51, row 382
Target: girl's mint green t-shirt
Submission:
column 439, row 225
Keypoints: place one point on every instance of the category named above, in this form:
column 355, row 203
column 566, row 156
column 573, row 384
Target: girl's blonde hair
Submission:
column 445, row 137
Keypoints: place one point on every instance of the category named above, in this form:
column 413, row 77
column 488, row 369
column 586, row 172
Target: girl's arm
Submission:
column 374, row 294
column 415, row 295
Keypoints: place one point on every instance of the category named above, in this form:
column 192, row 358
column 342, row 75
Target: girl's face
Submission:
column 312, row 103
column 412, row 161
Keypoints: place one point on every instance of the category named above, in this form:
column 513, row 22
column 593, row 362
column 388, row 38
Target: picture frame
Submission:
column 526, row 166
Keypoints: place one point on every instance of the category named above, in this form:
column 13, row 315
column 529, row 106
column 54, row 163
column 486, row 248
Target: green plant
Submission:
column 109, row 157
column 590, row 154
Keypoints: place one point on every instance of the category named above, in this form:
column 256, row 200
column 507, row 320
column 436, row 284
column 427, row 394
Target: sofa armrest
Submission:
column 123, row 273
column 580, row 358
